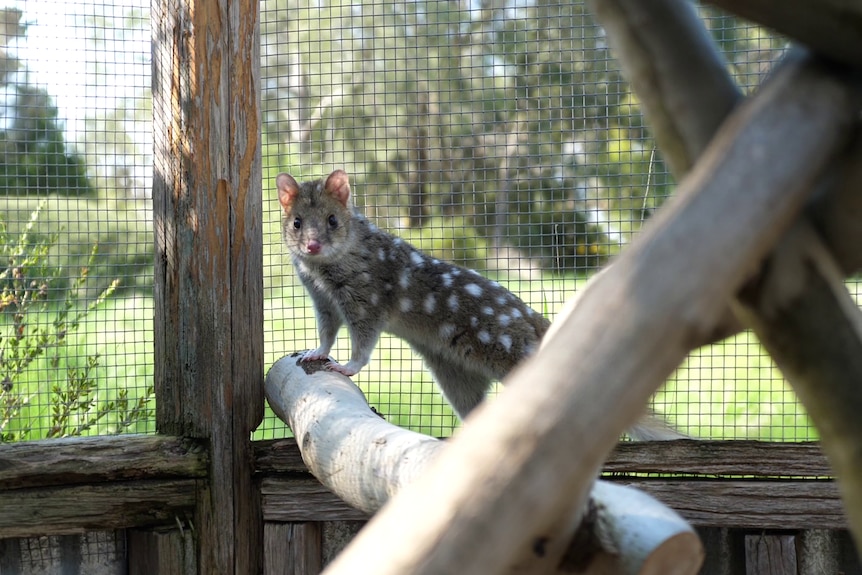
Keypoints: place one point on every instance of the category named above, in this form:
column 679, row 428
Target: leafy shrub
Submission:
column 36, row 327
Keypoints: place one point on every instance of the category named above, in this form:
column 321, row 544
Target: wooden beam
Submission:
column 207, row 206
column 98, row 459
column 80, row 508
column 829, row 27
column 694, row 458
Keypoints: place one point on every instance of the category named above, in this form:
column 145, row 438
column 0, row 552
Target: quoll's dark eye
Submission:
column 297, row 223
column 333, row 222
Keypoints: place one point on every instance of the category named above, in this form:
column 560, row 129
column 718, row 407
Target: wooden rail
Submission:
column 136, row 481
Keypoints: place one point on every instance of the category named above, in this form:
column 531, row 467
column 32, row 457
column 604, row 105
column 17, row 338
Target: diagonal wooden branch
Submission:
column 659, row 68
column 562, row 412
column 365, row 461
column 800, row 309
column 672, row 64
column 685, row 94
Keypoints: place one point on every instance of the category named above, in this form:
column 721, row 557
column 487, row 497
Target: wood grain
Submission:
column 207, row 206
column 77, row 460
column 76, row 509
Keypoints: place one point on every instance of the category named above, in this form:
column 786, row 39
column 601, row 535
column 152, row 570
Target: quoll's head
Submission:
column 316, row 214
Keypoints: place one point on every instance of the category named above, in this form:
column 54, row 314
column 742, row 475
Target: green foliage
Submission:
column 33, row 155
column 36, row 328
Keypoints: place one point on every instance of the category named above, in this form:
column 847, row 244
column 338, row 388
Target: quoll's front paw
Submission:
column 351, row 368
column 314, row 354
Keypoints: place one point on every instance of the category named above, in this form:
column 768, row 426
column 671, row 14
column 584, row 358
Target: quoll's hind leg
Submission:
column 463, row 388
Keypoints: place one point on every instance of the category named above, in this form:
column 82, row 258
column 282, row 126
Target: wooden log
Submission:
column 366, row 460
column 830, row 27
column 579, row 385
column 80, row 508
column 674, row 67
column 96, row 459
column 207, row 205
column 812, row 327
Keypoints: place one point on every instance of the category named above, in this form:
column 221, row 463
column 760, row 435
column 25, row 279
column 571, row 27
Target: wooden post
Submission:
column 208, row 271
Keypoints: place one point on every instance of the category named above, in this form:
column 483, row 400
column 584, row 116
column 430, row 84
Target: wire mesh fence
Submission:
column 501, row 137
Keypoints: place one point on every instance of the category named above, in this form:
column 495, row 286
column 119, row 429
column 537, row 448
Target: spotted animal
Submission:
column 469, row 330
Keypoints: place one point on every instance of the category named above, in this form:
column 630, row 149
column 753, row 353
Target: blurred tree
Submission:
column 33, row 155
column 510, row 116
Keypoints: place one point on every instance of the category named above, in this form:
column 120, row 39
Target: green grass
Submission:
column 729, row 390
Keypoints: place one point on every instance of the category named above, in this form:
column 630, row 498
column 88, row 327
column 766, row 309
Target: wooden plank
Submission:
column 728, row 458
column 278, row 456
column 209, row 259
column 94, row 459
column 751, row 504
column 770, row 554
column 63, row 510
column 292, row 548
column 724, row 550
column 691, row 457
column 303, row 499
column 162, row 551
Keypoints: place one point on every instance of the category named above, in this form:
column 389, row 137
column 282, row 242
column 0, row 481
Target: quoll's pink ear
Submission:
column 288, row 189
column 338, row 186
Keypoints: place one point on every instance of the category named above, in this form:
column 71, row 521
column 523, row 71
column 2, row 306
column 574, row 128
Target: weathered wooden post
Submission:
column 208, row 271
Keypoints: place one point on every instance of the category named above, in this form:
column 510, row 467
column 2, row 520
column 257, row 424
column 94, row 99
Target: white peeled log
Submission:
column 348, row 447
column 365, row 460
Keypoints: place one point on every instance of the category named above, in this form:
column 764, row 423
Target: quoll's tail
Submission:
column 652, row 427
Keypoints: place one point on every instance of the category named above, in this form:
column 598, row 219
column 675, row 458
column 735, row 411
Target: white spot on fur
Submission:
column 473, row 289
column 452, row 302
column 381, row 255
column 488, row 310
column 375, row 299
column 405, row 305
column 430, row 304
column 397, row 241
column 447, row 280
column 475, row 273
column 365, row 277
column 447, row 330
column 404, row 280
column 506, row 341
column 500, row 299
column 484, row 337
column 435, row 261
column 456, row 272
column 516, row 313
column 474, row 321
column 504, row 320
column 387, row 287
column 417, row 259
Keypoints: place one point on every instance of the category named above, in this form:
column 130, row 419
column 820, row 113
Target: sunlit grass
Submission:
column 730, row 390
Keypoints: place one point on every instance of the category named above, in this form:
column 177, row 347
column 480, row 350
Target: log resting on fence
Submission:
column 366, row 461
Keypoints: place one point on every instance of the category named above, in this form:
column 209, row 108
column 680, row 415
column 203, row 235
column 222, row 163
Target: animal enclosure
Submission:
column 504, row 138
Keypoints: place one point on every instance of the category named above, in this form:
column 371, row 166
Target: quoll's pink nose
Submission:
column 313, row 247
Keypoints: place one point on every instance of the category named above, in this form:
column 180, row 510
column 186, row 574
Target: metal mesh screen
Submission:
column 498, row 136
column 75, row 171
column 503, row 137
